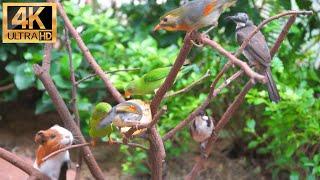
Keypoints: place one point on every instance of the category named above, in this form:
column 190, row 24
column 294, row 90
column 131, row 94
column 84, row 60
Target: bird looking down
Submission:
column 128, row 114
column 194, row 15
column 257, row 51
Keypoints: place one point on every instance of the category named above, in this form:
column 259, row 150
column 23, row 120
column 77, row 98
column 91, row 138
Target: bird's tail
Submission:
column 272, row 87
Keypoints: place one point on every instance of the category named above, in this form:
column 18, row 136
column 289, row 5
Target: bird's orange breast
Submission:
column 179, row 27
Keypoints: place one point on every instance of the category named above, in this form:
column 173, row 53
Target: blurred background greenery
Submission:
column 118, row 34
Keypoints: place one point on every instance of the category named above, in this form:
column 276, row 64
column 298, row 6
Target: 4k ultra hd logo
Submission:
column 29, row 23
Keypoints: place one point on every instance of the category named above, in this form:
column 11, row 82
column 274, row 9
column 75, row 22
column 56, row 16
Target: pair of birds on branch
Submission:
column 192, row 16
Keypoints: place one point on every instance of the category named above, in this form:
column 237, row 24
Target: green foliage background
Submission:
column 121, row 38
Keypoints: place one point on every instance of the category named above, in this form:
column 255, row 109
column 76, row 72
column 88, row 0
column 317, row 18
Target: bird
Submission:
column 149, row 82
column 194, row 15
column 257, row 51
column 201, row 129
column 100, row 111
column 128, row 114
column 49, row 141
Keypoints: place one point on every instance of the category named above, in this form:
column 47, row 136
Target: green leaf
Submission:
column 64, row 63
column 24, row 77
column 12, row 67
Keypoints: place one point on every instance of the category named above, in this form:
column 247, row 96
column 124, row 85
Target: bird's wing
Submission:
column 156, row 74
column 258, row 47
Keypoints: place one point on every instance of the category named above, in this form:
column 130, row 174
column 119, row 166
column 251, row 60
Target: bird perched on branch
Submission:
column 128, row 114
column 257, row 51
column 149, row 82
column 100, row 111
column 201, row 128
column 194, row 15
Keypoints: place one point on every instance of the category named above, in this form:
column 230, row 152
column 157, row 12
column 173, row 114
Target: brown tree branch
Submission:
column 173, row 73
column 65, row 149
column 197, row 168
column 234, row 60
column 283, row 35
column 263, row 23
column 209, row 98
column 7, row 87
column 189, row 87
column 92, row 62
column 22, row 164
column 64, row 113
column 74, row 107
column 157, row 151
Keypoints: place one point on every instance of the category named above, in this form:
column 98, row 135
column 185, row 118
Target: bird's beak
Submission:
column 127, row 94
column 156, row 28
column 229, row 18
column 106, row 121
column 127, row 108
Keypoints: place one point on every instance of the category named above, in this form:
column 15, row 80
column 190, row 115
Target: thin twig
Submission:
column 65, row 149
column 189, row 87
column 263, row 23
column 21, row 164
column 106, row 72
column 87, row 54
column 74, row 106
column 7, row 87
column 135, row 145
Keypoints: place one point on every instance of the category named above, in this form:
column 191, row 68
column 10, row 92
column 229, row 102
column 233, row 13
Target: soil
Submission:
column 18, row 125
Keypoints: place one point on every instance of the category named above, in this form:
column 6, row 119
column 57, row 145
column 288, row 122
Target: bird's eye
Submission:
column 52, row 136
column 165, row 19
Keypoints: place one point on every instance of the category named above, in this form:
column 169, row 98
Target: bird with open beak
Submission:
column 128, row 114
column 194, row 15
column 257, row 51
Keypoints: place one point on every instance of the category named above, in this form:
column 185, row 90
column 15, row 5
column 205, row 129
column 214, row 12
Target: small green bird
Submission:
column 148, row 83
column 100, row 111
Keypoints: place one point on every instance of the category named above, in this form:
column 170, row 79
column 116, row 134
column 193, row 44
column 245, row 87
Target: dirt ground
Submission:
column 18, row 124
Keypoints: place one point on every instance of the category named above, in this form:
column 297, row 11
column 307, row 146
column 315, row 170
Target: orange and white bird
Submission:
column 194, row 15
column 49, row 141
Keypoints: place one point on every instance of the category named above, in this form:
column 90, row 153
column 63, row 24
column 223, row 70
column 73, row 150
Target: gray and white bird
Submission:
column 201, row 128
column 257, row 51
